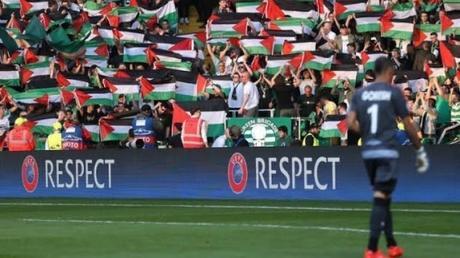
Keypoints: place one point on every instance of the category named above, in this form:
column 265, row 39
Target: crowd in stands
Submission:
column 81, row 74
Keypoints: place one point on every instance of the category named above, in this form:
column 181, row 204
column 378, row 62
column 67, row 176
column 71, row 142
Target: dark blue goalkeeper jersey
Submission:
column 377, row 106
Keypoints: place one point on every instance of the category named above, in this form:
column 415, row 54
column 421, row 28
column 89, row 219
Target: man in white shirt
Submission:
column 235, row 97
column 326, row 36
column 250, row 106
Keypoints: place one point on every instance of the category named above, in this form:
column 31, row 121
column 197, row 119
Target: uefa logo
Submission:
column 29, row 174
column 237, row 173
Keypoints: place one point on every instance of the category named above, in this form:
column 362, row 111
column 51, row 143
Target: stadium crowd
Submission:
column 89, row 74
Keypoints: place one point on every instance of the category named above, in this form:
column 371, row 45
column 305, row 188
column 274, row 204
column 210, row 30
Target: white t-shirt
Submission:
column 251, row 90
column 4, row 125
column 236, row 103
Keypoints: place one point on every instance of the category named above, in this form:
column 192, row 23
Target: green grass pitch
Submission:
column 76, row 228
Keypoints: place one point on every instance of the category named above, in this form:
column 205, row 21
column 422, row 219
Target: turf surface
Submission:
column 135, row 228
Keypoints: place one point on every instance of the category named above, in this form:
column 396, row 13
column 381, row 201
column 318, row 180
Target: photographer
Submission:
column 131, row 142
column 143, row 129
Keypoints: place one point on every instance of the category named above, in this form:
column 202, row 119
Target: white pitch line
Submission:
column 246, row 225
column 261, row 207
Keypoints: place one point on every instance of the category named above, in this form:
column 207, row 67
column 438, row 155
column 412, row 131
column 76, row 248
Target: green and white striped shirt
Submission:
column 455, row 113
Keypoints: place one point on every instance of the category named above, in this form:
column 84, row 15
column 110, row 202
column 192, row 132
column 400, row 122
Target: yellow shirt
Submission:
column 54, row 141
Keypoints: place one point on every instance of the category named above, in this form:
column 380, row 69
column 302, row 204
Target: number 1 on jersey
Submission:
column 373, row 111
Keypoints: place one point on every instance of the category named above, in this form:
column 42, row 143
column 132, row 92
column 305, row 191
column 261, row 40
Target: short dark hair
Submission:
column 434, row 34
column 194, row 110
column 383, row 64
column 283, row 129
column 343, row 105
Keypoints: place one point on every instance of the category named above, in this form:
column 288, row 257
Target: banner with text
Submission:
column 262, row 173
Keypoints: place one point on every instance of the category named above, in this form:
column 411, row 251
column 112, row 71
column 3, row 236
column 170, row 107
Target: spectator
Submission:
column 344, row 93
column 369, row 77
column 195, row 131
column 326, row 37
column 399, row 63
column 435, row 51
column 286, row 94
column 327, row 105
column 237, row 139
column 425, row 109
column 4, row 126
column 342, row 41
column 455, row 105
column 143, row 128
column 54, row 140
column 235, row 97
column 249, row 108
column 20, row 138
column 284, row 140
column 422, row 56
column 162, row 119
column 307, row 102
column 222, row 8
column 216, row 93
column 305, row 78
column 442, row 103
column 311, row 138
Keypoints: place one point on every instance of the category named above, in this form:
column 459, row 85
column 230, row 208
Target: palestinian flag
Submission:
column 343, row 8
column 184, row 66
column 93, row 9
column 422, row 33
column 294, row 24
column 92, row 130
column 171, row 43
column 158, row 89
column 97, row 53
column 125, row 14
column 397, row 29
column 187, row 86
column 247, row 6
column 42, row 96
column 32, row 6
column 11, row 4
column 42, row 124
column 450, row 54
column 316, row 60
column 135, row 53
column 437, row 71
column 298, row 46
column 275, row 62
column 368, row 22
column 224, row 81
column 114, row 130
column 141, row 53
column 334, row 126
column 227, row 28
column 199, row 38
column 9, row 75
column 451, row 5
column 86, row 97
column 106, row 33
column 276, row 9
column 72, row 81
column 254, row 20
column 121, row 86
column 340, row 72
column 280, row 37
column 213, row 112
column 167, row 11
column 402, row 11
column 258, row 45
column 30, row 71
column 450, row 23
column 416, row 80
column 129, row 36
column 368, row 59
